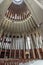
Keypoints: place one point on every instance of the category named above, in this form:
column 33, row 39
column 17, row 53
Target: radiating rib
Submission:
column 15, row 48
column 5, row 28
column 34, row 22
column 25, row 26
column 31, row 24
column 1, row 24
column 28, row 28
column 9, row 27
column 39, row 53
column 19, row 48
column 28, row 49
column 40, row 50
column 33, row 40
column 33, row 46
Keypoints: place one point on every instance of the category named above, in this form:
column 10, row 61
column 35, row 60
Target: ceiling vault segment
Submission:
column 4, row 6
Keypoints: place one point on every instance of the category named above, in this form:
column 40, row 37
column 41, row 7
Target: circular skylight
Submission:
column 17, row 1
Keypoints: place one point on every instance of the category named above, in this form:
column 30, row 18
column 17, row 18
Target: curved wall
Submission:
column 36, row 9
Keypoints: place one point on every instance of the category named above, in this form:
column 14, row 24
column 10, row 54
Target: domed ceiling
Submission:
column 18, row 19
column 17, row 11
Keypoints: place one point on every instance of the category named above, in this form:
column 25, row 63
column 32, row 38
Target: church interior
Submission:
column 21, row 32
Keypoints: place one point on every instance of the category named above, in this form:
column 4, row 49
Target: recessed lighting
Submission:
column 18, row 2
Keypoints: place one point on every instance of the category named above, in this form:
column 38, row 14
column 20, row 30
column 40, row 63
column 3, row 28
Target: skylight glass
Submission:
column 18, row 2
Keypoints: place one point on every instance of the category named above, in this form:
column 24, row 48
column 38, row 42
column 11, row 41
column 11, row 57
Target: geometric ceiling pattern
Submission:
column 18, row 20
column 26, row 26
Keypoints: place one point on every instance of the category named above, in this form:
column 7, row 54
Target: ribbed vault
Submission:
column 14, row 24
column 26, row 26
column 17, row 12
column 20, row 39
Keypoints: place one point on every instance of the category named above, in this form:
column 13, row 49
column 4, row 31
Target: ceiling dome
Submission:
column 17, row 12
column 18, row 20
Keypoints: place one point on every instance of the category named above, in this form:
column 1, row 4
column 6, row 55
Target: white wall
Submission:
column 4, row 6
column 36, row 10
column 1, row 1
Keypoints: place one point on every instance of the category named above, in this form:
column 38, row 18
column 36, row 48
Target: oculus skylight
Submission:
column 18, row 2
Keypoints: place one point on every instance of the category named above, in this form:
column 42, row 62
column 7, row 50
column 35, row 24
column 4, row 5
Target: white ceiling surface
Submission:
column 41, row 1
column 4, row 6
column 1, row 1
column 36, row 8
column 37, row 62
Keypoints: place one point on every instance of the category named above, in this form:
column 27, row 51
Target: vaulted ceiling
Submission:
column 9, row 24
